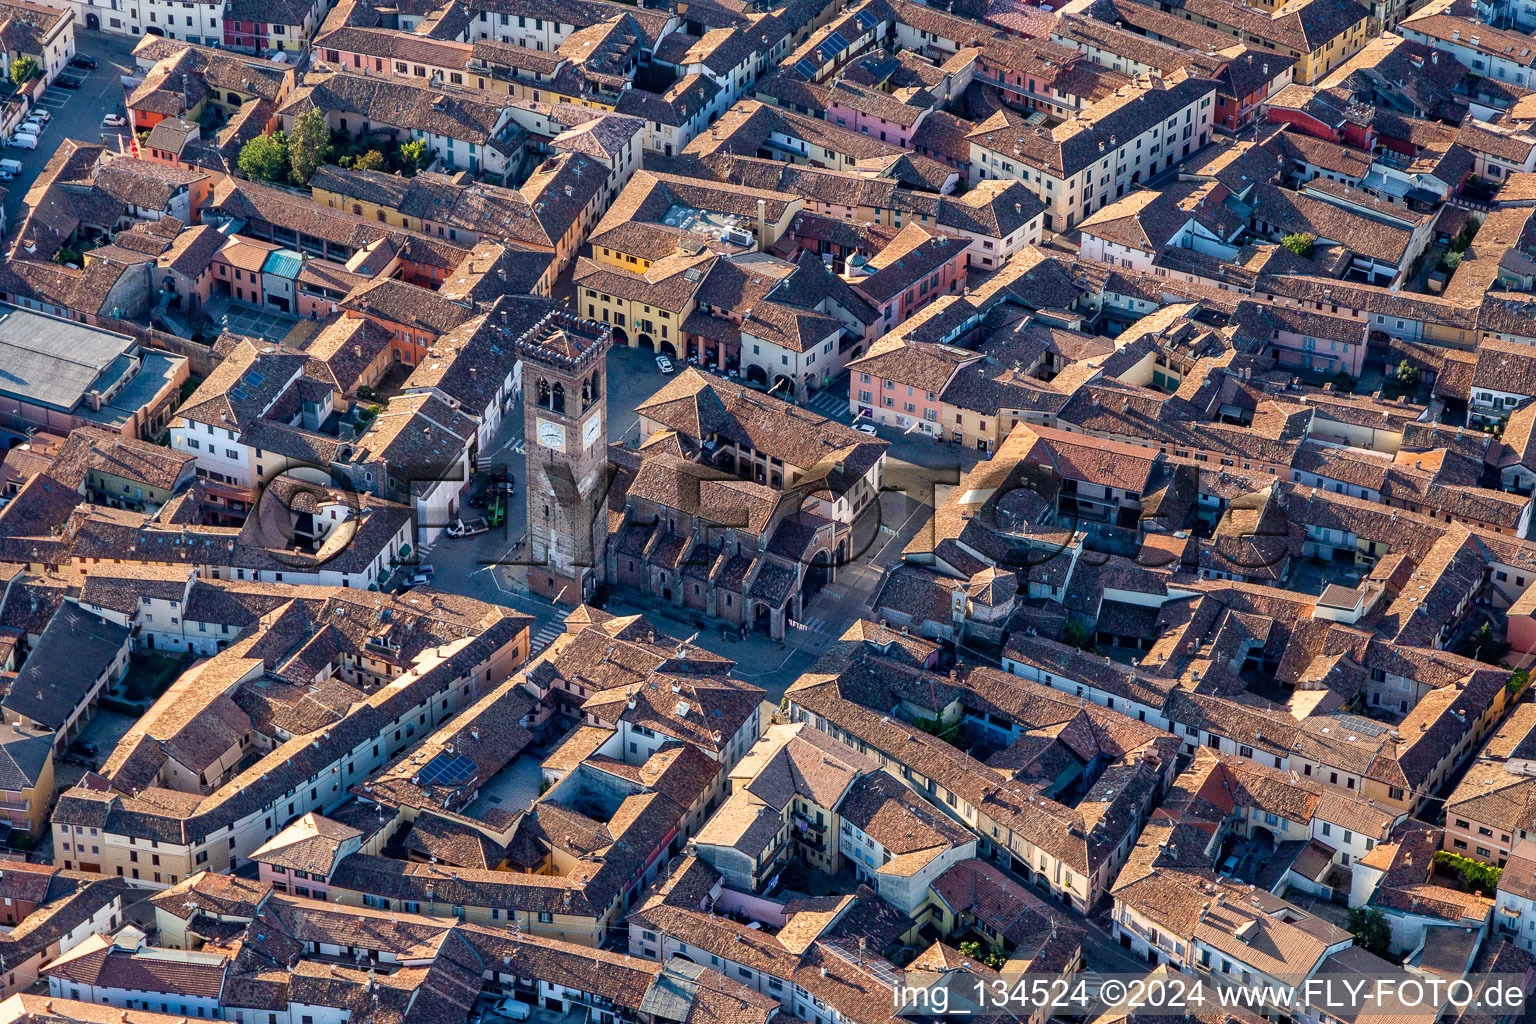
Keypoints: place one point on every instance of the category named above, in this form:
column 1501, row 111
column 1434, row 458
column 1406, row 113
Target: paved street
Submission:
column 1101, row 953
column 76, row 114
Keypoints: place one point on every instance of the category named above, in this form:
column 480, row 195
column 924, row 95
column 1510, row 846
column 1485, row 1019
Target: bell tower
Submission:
column 565, row 428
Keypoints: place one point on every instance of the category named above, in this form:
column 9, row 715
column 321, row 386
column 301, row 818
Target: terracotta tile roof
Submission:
column 704, row 407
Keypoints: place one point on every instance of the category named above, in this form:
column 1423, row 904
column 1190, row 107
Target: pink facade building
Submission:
column 299, row 860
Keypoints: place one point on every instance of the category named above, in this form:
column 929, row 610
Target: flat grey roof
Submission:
column 46, row 360
column 156, row 371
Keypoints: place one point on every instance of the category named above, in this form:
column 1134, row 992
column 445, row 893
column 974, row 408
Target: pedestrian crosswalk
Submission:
column 544, row 637
column 828, row 403
column 485, row 463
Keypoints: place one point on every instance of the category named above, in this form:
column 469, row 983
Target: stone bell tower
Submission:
column 565, row 428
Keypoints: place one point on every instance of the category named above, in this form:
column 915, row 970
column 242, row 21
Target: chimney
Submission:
column 762, row 220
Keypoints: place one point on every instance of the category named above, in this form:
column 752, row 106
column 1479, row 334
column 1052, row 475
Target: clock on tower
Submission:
column 565, row 423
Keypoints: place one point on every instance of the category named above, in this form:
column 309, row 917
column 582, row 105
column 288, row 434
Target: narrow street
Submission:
column 1103, row 954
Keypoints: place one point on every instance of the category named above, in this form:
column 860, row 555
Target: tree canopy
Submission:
column 265, row 158
column 1300, row 243
column 309, row 145
column 22, row 69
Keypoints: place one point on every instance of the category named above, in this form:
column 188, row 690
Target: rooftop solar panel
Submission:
column 447, row 770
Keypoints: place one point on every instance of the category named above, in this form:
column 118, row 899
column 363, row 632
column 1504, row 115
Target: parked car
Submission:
column 866, row 428
column 507, row 486
column 22, row 141
column 663, row 364
column 83, row 748
column 37, row 127
column 419, row 579
column 6, row 176
column 513, row 1009
column 468, row 528
column 80, row 60
column 41, row 114
column 426, row 569
column 114, row 121
column 66, row 82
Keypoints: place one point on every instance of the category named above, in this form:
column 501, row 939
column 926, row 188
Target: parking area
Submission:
column 1249, row 857
column 106, row 730
column 76, row 113
column 54, row 97
column 485, row 1013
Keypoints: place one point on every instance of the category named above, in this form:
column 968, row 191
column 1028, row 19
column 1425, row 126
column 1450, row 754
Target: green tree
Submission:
column 1371, row 930
column 1517, row 681
column 1450, row 261
column 1407, row 374
column 1483, row 645
column 309, row 144
column 1080, row 637
column 971, row 949
column 413, row 155
column 372, row 160
column 265, row 158
column 997, row 959
column 954, row 735
column 1300, row 243
column 22, row 69
column 1475, row 875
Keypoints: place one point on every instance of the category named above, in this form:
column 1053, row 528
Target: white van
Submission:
column 10, row 166
column 20, row 141
column 512, row 1009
